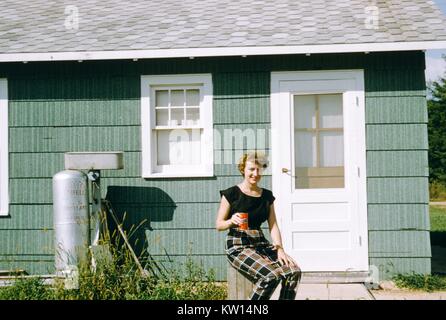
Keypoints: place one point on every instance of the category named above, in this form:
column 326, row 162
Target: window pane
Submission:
column 162, row 98
column 305, row 149
column 176, row 116
column 313, row 178
column 162, row 116
column 193, row 97
column 177, row 98
column 305, row 111
column 178, row 146
column 192, row 116
column 332, row 149
column 330, row 111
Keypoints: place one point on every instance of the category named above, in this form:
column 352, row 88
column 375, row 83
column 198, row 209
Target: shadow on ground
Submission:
column 438, row 247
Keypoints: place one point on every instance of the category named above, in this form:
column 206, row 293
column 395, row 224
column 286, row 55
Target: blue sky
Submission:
column 435, row 65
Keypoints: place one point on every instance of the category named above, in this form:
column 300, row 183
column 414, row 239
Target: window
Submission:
column 319, row 141
column 4, row 189
column 176, row 123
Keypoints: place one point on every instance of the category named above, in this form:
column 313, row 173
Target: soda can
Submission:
column 244, row 224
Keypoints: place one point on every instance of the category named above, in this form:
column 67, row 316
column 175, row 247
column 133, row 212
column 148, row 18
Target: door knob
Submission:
column 285, row 170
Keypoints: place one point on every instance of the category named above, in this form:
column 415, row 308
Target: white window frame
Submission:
column 148, row 136
column 4, row 167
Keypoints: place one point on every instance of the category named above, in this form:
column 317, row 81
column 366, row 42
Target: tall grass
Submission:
column 122, row 282
column 437, row 191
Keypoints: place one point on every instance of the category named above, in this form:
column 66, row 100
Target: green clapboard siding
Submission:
column 403, row 217
column 134, row 190
column 241, row 98
column 46, row 164
column 396, row 137
column 389, row 267
column 26, row 242
column 391, row 82
column 30, row 264
column 212, row 264
column 188, row 241
column 406, row 163
column 175, row 216
column 397, row 190
column 28, row 217
column 380, row 110
column 57, row 107
column 74, row 113
column 64, row 139
column 192, row 216
column 399, row 244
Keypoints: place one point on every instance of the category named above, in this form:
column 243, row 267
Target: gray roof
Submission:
column 35, row 26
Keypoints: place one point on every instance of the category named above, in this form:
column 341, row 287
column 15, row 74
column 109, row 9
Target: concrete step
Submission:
column 334, row 277
column 335, row 291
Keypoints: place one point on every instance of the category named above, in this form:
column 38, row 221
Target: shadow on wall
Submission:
column 136, row 208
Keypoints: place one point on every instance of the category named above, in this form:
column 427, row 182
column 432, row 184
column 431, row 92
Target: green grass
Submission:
column 438, row 218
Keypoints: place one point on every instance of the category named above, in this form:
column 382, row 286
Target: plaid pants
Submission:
column 254, row 257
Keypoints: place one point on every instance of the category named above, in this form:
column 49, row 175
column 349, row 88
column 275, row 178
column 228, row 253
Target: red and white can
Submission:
column 244, row 224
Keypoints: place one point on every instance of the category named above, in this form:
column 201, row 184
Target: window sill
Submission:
column 178, row 175
column 4, row 213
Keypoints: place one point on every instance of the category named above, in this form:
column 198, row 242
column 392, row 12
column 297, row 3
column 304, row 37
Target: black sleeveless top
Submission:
column 256, row 207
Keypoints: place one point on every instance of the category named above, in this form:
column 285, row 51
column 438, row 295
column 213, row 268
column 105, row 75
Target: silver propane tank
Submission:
column 71, row 221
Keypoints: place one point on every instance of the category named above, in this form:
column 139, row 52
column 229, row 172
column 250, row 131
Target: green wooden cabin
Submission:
column 341, row 114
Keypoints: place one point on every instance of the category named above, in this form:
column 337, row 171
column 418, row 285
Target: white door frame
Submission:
column 4, row 155
column 277, row 144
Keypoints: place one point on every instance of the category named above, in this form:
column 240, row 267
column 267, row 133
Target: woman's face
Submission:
column 253, row 172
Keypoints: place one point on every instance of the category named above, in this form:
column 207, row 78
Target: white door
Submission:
column 319, row 171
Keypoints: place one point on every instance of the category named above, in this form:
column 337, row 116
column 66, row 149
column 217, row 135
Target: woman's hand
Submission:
column 236, row 220
column 285, row 259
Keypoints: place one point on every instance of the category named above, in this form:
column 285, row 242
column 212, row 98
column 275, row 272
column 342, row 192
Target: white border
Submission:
column 218, row 51
column 147, row 123
column 4, row 167
column 360, row 161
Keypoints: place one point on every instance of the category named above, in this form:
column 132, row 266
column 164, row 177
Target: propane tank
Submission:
column 71, row 220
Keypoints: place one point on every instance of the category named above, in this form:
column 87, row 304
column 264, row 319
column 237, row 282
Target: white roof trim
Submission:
column 226, row 51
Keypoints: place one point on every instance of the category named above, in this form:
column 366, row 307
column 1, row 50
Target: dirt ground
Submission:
column 401, row 294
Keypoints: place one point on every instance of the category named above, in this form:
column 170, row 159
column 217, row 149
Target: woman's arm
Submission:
column 223, row 223
column 277, row 238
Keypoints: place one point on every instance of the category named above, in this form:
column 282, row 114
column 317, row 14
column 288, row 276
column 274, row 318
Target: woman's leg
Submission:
column 289, row 284
column 263, row 271
column 290, row 275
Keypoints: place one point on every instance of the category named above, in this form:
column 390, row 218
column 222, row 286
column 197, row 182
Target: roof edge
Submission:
column 221, row 51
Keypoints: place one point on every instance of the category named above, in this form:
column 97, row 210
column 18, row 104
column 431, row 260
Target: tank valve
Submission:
column 93, row 175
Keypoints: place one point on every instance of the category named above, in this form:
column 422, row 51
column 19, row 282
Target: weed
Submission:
column 437, row 191
column 416, row 281
column 26, row 289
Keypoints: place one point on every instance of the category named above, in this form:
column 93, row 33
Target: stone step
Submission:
column 334, row 277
